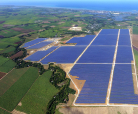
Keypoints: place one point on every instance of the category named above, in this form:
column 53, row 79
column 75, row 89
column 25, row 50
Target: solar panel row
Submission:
column 124, row 31
column 109, row 31
column 98, row 54
column 34, row 42
column 82, row 40
column 124, row 54
column 40, row 54
column 64, row 54
column 124, row 40
column 97, row 79
column 40, row 45
column 105, row 39
column 122, row 87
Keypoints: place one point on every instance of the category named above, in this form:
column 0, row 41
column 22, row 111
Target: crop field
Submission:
column 2, row 74
column 10, row 79
column 37, row 98
column 6, row 64
column 10, row 99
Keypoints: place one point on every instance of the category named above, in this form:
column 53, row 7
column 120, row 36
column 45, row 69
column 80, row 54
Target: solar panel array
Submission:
column 34, row 42
column 40, row 45
column 105, row 39
column 40, row 54
column 124, row 54
column 122, row 91
column 109, row 31
column 98, row 54
column 97, row 78
column 82, row 40
column 64, row 54
column 95, row 65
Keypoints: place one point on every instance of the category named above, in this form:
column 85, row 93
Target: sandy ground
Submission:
column 76, row 28
column 135, row 40
column 17, row 112
column 97, row 110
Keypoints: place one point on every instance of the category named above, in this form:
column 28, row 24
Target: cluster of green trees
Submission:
column 62, row 96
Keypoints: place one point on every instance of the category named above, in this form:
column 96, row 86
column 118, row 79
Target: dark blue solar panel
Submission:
column 122, row 87
column 82, row 40
column 105, row 40
column 98, row 54
column 124, row 40
column 124, row 54
column 124, row 31
column 40, row 45
column 34, row 42
column 109, row 31
column 97, row 79
column 40, row 54
column 64, row 54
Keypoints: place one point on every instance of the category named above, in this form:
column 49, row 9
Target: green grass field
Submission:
column 136, row 58
column 10, row 49
column 10, row 79
column 10, row 99
column 135, row 30
column 37, row 98
column 3, row 60
column 4, row 112
column 6, row 64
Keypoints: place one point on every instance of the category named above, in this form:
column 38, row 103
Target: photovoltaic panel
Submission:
column 40, row 45
column 109, row 31
column 34, row 42
column 124, row 54
column 40, row 54
column 122, row 87
column 82, row 40
column 97, row 79
column 105, row 40
column 64, row 54
column 124, row 40
column 98, row 54
column 124, row 31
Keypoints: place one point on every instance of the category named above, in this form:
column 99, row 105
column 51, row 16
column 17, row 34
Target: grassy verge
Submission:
column 15, row 93
column 37, row 98
column 136, row 58
column 3, row 111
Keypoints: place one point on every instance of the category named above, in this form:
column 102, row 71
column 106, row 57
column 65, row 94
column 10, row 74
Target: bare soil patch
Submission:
column 22, row 30
column 135, row 40
column 76, row 15
column 1, row 36
column 76, row 28
column 6, row 25
column 20, row 53
column 52, row 26
column 97, row 110
column 2, row 22
column 18, row 42
column 19, row 104
column 17, row 112
column 66, row 67
column 2, row 74
column 61, row 22
column 45, row 22
column 135, row 84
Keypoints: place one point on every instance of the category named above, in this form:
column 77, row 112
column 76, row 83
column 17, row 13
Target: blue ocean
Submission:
column 87, row 5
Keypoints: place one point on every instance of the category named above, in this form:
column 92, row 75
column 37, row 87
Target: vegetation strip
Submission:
column 10, row 99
